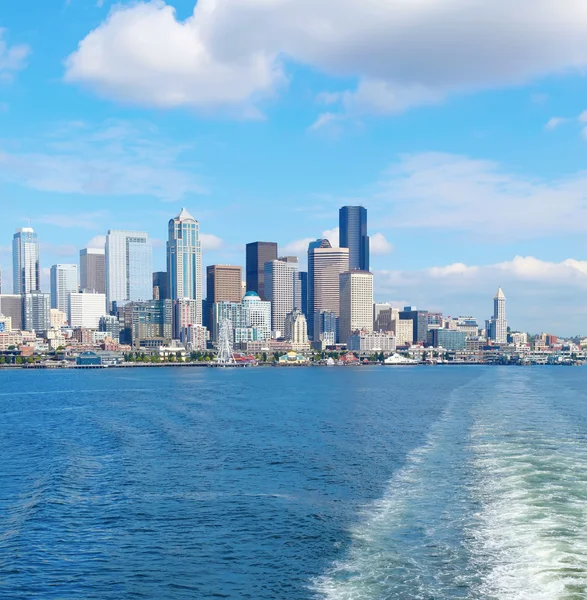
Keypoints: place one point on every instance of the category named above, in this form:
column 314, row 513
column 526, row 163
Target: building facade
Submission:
column 110, row 325
column 36, row 312
column 129, row 267
column 366, row 342
column 356, row 303
column 403, row 330
column 63, row 283
column 161, row 285
column 258, row 253
column 449, row 339
column 498, row 325
column 86, row 309
column 184, row 260
column 282, row 290
column 92, row 270
column 419, row 320
column 353, row 235
column 11, row 305
column 185, row 313
column 26, row 269
column 147, row 324
column 296, row 330
column 325, row 264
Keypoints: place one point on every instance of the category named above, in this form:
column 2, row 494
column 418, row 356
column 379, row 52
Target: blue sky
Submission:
column 461, row 128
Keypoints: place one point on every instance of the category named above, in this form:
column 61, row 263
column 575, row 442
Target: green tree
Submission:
column 264, row 356
column 2, row 360
column 19, row 360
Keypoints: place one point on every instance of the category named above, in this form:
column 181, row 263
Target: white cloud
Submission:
column 230, row 53
column 88, row 220
column 555, row 122
column 12, row 58
column 211, row 242
column 297, row 247
column 541, row 295
column 98, row 241
column 457, row 193
column 333, row 236
column 116, row 158
column 379, row 244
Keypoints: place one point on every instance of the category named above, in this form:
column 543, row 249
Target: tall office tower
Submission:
column 498, row 325
column 224, row 283
column 36, row 312
column 11, row 306
column 129, row 267
column 184, row 260
column 419, row 320
column 356, row 303
column 26, row 270
column 257, row 315
column 281, row 283
column 63, row 283
column 160, row 285
column 92, row 270
column 86, row 309
column 353, row 235
column 302, row 293
column 259, row 253
column 325, row 264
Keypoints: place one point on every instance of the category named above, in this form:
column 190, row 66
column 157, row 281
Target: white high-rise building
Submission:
column 26, row 270
column 281, row 285
column 356, row 303
column 63, row 283
column 498, row 325
column 184, row 260
column 86, row 309
column 325, row 264
column 185, row 314
column 129, row 267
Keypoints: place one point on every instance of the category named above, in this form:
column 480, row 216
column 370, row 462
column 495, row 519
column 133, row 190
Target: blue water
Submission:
column 342, row 483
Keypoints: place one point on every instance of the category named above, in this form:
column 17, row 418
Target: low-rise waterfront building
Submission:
column 367, row 342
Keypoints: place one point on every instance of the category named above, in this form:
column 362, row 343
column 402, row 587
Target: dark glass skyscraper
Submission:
column 353, row 235
column 259, row 253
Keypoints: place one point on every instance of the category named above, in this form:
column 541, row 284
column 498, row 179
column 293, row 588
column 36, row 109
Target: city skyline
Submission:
column 484, row 314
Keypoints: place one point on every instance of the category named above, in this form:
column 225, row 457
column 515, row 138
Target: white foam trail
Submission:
column 530, row 541
column 403, row 546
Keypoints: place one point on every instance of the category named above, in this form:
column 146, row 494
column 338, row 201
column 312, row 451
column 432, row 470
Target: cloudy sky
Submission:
column 460, row 125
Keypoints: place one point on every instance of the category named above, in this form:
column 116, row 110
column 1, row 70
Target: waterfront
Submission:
column 348, row 484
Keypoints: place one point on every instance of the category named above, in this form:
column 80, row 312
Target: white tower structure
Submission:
column 184, row 260
column 499, row 324
column 356, row 303
column 280, row 289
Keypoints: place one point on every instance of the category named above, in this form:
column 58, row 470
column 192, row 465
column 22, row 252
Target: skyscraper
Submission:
column 419, row 320
column 281, row 284
column 259, row 253
column 36, row 311
column 498, row 325
column 224, row 283
column 325, row 264
column 184, row 260
column 11, row 305
column 92, row 270
column 353, row 235
column 63, row 283
column 129, row 267
column 160, row 285
column 25, row 261
column 356, row 303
